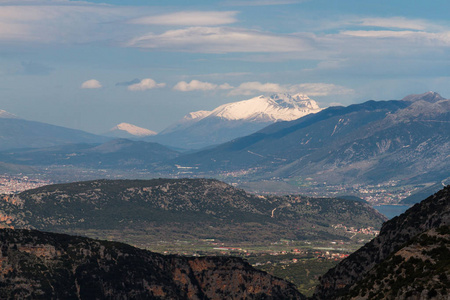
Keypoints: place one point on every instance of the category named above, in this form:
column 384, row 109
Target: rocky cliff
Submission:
column 419, row 270
column 42, row 265
column 410, row 258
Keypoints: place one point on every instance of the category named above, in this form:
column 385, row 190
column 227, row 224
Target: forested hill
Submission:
column 205, row 207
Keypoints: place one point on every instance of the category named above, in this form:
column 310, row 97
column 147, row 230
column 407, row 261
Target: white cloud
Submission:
column 397, row 22
column 80, row 22
column 225, row 86
column 378, row 23
column 183, row 86
column 190, row 18
column 16, row 2
column 220, row 40
column 76, row 22
column 389, row 35
column 250, row 88
column 145, row 84
column 310, row 89
column 404, row 40
column 91, row 84
column 380, row 33
column 196, row 85
column 344, row 45
column 262, row 2
column 60, row 22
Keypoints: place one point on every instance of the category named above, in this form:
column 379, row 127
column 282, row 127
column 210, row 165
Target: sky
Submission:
column 90, row 65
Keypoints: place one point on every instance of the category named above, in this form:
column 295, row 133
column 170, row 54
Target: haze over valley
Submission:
column 336, row 151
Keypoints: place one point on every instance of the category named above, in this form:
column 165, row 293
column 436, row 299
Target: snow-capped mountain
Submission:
column 228, row 121
column 403, row 140
column 6, row 115
column 278, row 107
column 195, row 116
column 126, row 130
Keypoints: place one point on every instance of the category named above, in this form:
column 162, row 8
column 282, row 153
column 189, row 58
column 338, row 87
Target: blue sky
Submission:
column 93, row 64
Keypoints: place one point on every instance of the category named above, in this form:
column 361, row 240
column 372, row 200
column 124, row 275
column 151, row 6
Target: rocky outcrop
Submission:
column 42, row 265
column 419, row 270
column 431, row 214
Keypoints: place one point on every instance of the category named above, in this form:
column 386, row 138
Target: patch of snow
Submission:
column 133, row 130
column 6, row 115
column 196, row 115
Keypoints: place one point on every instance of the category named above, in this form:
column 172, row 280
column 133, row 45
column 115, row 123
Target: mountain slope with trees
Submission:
column 409, row 258
column 39, row 265
column 171, row 209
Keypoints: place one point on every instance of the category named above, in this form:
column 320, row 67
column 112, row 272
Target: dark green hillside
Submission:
column 38, row 265
column 421, row 268
column 173, row 209
column 409, row 259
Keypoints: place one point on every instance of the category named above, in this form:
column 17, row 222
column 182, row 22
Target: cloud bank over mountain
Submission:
column 215, row 52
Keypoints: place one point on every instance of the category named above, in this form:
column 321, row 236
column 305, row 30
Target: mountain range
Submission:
column 205, row 128
column 16, row 133
column 403, row 141
column 115, row 154
column 196, row 130
column 371, row 142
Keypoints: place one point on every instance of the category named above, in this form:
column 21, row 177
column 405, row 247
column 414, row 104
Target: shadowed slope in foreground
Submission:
column 42, row 265
column 410, row 258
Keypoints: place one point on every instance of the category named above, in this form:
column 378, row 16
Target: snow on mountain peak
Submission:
column 6, row 115
column 132, row 129
column 196, row 115
column 260, row 109
column 278, row 107
column 297, row 100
